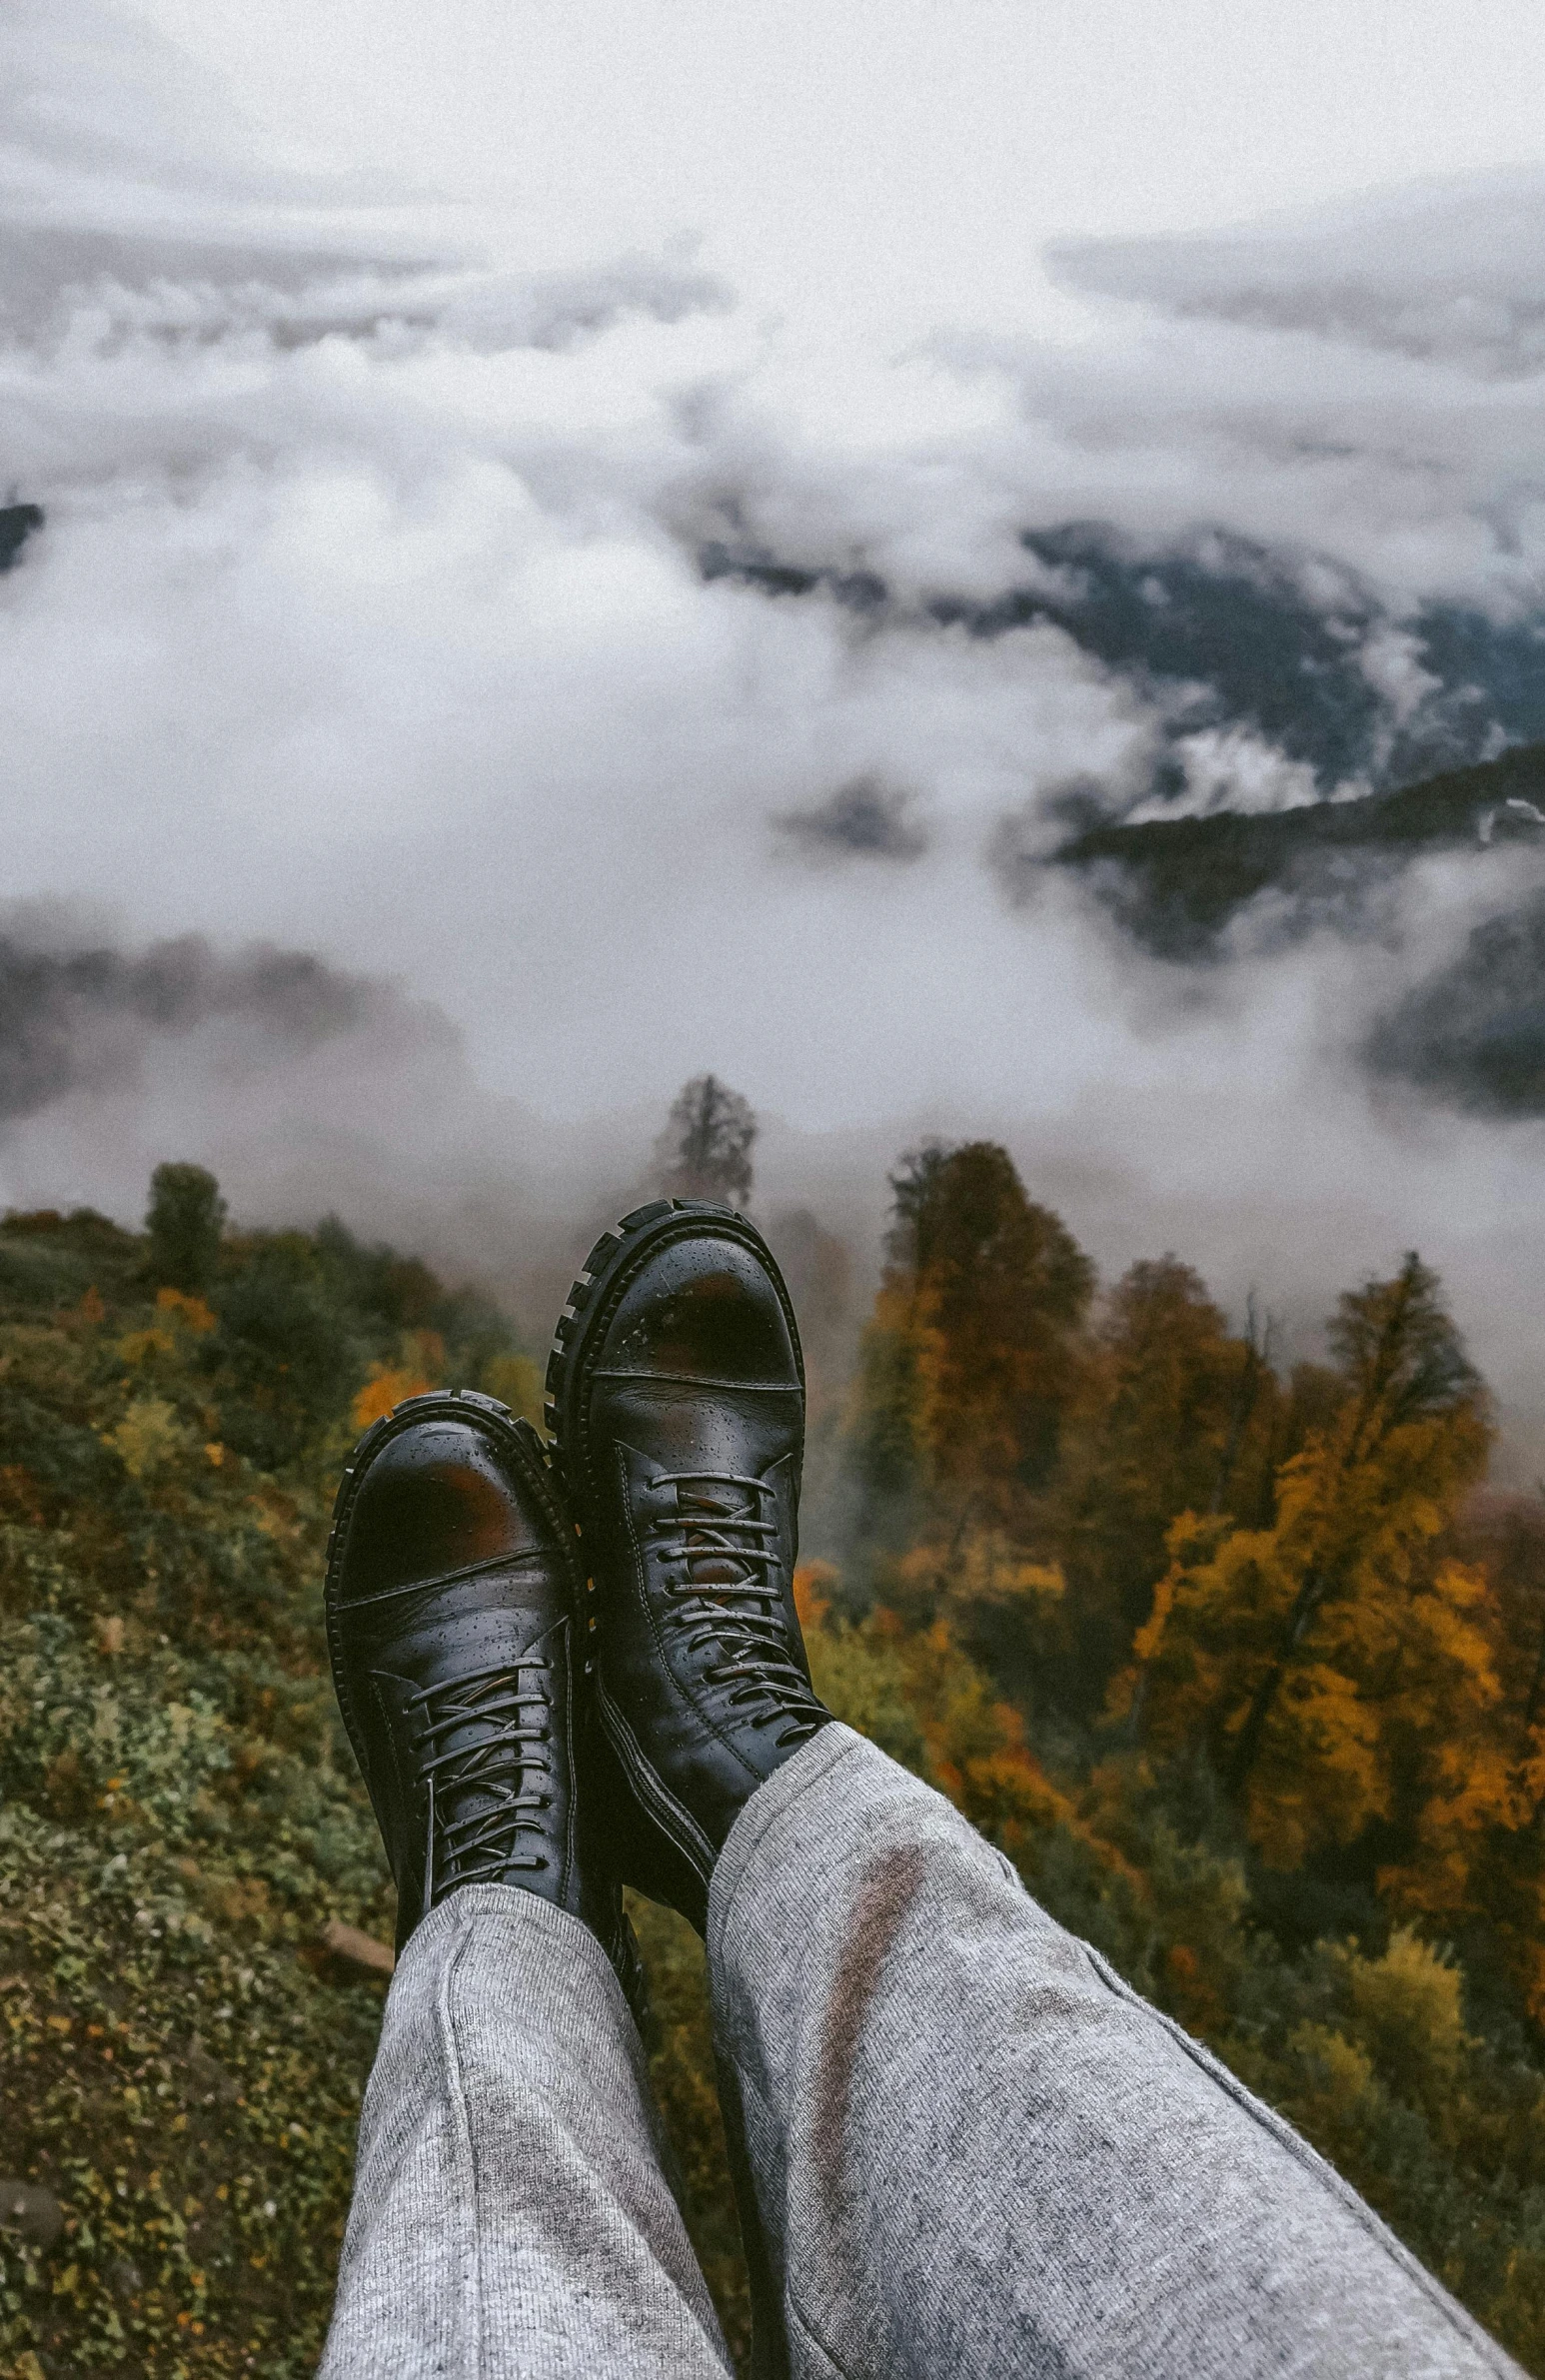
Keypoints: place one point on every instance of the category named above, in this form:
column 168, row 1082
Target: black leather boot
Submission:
column 452, row 1591
column 677, row 1397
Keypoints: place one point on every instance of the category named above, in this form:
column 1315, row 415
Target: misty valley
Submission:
column 552, row 555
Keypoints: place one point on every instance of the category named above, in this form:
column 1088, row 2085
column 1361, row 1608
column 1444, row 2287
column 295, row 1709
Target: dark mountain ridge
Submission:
column 1178, row 883
column 1218, row 631
column 1471, row 1036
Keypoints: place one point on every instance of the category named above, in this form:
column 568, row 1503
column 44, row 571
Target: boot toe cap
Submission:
column 703, row 1308
column 433, row 1500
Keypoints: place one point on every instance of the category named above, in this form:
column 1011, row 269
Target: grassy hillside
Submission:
column 182, row 2055
column 180, row 1817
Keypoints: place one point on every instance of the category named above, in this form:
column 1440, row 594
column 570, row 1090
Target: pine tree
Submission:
column 1178, row 1416
column 1002, row 1292
column 185, row 1220
column 706, row 1149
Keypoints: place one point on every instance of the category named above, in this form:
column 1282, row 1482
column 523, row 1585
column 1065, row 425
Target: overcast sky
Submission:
column 892, row 163
column 386, row 367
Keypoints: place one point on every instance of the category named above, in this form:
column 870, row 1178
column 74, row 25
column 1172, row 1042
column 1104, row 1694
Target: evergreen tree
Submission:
column 1178, row 1416
column 971, row 1363
column 706, row 1149
column 1001, row 1292
column 185, row 1221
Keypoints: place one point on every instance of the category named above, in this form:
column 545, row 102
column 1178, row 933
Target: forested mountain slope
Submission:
column 1178, row 883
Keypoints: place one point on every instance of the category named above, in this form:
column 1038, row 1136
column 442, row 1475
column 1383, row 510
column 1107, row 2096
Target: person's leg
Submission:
column 512, row 2218
column 977, row 2152
column 511, row 2212
column 974, row 2153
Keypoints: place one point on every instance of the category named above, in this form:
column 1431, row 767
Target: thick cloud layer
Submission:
column 1439, row 271
column 651, row 686
column 80, row 1019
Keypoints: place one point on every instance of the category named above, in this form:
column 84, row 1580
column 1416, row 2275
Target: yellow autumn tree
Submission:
column 1499, row 1872
column 1336, row 1664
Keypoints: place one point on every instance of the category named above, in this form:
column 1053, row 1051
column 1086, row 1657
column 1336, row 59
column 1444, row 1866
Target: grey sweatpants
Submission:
column 974, row 2152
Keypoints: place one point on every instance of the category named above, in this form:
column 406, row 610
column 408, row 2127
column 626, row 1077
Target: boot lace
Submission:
column 482, row 1744
column 721, row 1539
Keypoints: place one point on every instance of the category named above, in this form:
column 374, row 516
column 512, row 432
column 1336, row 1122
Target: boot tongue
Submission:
column 715, row 1507
column 708, row 1513
column 705, row 1510
column 478, row 1768
column 459, row 1689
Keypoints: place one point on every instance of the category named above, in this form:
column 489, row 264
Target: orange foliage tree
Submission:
column 1338, row 1664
